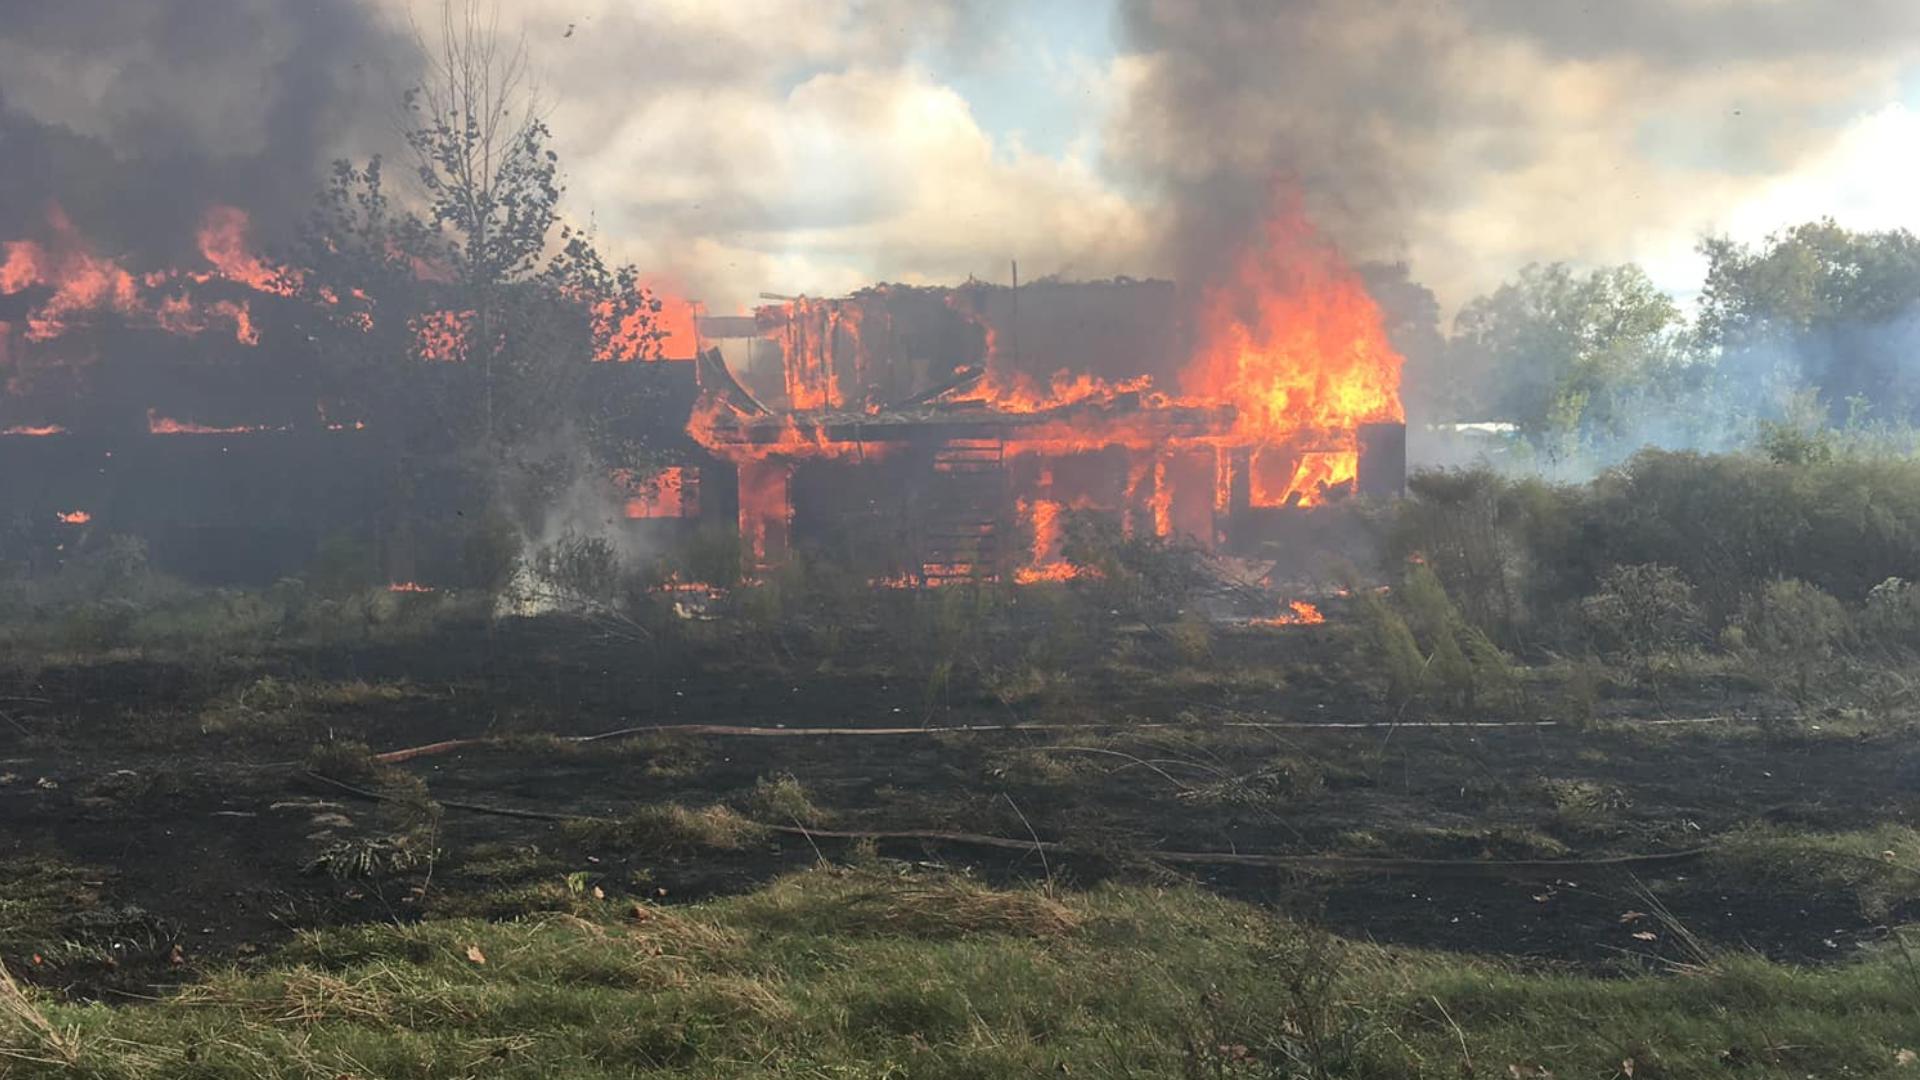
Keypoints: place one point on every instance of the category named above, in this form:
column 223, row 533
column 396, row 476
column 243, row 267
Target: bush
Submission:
column 782, row 800
column 1426, row 644
column 1517, row 554
column 1642, row 609
column 1144, row 577
column 1890, row 618
column 1793, row 626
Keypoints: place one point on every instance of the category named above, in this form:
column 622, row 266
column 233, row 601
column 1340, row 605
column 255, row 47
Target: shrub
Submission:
column 670, row 829
column 1793, row 626
column 1642, row 609
column 1891, row 616
column 783, row 799
column 1144, row 577
column 1393, row 644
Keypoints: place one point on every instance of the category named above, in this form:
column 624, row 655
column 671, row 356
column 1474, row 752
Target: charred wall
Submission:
column 251, row 507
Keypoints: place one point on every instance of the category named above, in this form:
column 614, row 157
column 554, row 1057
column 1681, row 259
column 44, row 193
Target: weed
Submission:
column 368, row 857
column 669, row 829
column 26, row 1035
column 784, row 800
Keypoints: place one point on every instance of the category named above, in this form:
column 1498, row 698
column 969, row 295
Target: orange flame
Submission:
column 34, row 430
column 83, row 283
column 75, row 517
column 1291, row 359
column 1297, row 345
column 672, row 333
column 667, row 493
column 223, row 242
column 163, row 425
column 1298, row 613
column 441, row 336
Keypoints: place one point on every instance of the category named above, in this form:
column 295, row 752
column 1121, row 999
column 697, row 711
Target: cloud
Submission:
column 808, row 148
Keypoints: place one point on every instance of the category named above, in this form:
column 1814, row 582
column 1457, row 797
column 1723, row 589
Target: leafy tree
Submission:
column 1827, row 306
column 1570, row 358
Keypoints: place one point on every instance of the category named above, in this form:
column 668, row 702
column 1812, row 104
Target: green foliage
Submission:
column 669, row 829
column 579, row 570
column 830, row 973
column 1641, row 610
column 1568, row 358
column 1890, row 617
column 490, row 553
column 461, row 332
column 783, row 800
column 711, row 555
column 1796, row 628
column 1522, row 556
column 1392, row 642
column 1817, row 298
column 368, row 857
column 343, row 563
column 1425, row 645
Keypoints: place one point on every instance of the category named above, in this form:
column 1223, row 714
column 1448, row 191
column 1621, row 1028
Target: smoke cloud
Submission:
column 136, row 114
column 1472, row 136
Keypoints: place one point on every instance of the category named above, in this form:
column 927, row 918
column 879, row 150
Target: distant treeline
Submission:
column 1813, row 328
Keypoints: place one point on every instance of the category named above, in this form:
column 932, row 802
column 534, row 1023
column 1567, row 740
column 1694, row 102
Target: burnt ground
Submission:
column 160, row 817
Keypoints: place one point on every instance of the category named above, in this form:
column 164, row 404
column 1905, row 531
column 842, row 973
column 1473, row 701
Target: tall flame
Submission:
column 1296, row 344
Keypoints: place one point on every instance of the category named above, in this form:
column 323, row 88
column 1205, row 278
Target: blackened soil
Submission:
column 191, row 829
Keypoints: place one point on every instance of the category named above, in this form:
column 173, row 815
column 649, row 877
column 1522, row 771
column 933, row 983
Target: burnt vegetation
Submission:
column 1685, row 782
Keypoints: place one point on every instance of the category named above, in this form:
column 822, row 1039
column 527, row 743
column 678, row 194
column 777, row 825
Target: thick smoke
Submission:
column 1470, row 137
column 135, row 115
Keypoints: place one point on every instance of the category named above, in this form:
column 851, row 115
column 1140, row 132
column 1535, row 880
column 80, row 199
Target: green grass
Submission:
column 1879, row 867
column 669, row 829
column 837, row 973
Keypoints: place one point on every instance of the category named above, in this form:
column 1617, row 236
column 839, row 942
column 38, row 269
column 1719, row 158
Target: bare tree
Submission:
column 480, row 148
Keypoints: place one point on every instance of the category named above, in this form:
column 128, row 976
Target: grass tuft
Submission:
column 670, row 829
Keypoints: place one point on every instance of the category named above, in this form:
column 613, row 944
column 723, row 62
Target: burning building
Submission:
column 941, row 433
column 923, row 434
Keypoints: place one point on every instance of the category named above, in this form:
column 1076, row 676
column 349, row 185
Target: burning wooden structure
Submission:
column 930, row 434
column 924, row 434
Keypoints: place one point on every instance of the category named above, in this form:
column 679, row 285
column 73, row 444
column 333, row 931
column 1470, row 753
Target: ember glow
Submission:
column 165, row 425
column 442, row 336
column 75, row 517
column 670, row 492
column 409, row 587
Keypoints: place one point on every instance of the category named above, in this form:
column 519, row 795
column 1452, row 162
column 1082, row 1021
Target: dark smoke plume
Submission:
column 1381, row 111
column 135, row 115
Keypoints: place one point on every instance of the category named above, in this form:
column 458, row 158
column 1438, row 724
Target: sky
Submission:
column 789, row 146
column 839, row 143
